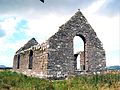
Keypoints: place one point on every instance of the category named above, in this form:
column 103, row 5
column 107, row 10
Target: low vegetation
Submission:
column 14, row 81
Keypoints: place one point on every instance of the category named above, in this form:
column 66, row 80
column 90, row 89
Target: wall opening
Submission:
column 30, row 59
column 79, row 55
column 18, row 61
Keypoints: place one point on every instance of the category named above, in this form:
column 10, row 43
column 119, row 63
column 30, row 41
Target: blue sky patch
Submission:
column 2, row 19
column 2, row 33
column 112, row 7
column 19, row 34
column 23, row 24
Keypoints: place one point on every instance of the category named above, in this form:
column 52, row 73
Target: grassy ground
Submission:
column 14, row 81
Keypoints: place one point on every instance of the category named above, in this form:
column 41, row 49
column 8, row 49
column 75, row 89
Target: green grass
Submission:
column 14, row 81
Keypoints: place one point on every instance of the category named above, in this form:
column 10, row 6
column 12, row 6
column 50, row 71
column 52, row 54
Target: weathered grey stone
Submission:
column 55, row 57
column 29, row 44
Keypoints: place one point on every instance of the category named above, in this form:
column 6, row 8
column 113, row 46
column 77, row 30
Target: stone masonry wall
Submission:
column 39, row 64
column 61, row 57
column 82, row 60
column 55, row 57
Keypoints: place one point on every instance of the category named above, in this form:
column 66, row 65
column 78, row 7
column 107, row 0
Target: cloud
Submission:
column 111, row 7
column 18, row 6
column 113, row 58
column 45, row 26
column 20, row 29
column 8, row 25
column 107, row 29
column 95, row 6
column 25, row 7
column 6, row 61
column 104, row 7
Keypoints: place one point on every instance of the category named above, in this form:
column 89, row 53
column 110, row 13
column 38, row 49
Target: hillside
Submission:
column 14, row 81
column 113, row 68
column 4, row 67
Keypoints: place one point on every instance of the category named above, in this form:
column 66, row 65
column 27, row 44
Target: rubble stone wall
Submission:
column 55, row 57
column 61, row 57
column 82, row 59
column 39, row 63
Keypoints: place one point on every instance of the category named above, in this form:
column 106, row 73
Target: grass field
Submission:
column 14, row 81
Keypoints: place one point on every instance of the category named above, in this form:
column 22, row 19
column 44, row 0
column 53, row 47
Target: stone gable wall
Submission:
column 61, row 48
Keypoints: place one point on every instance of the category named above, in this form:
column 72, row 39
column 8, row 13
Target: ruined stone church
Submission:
column 55, row 57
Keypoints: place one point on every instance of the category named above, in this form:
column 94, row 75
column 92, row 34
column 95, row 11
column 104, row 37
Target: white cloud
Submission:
column 94, row 6
column 7, row 61
column 107, row 29
column 8, row 26
column 113, row 60
column 45, row 26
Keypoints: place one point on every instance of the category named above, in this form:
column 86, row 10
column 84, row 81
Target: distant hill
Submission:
column 113, row 68
column 4, row 67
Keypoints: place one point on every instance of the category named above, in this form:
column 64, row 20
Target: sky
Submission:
column 20, row 20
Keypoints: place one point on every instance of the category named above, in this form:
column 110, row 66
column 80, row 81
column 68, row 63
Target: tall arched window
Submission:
column 78, row 43
column 18, row 61
column 30, row 59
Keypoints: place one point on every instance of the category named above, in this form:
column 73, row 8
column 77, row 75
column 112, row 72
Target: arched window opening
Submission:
column 30, row 59
column 79, row 46
column 18, row 61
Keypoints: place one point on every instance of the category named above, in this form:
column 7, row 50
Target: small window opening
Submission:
column 30, row 59
column 18, row 61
